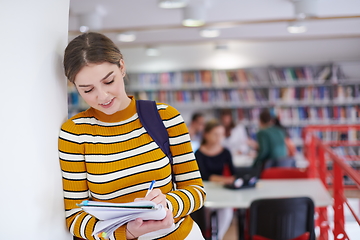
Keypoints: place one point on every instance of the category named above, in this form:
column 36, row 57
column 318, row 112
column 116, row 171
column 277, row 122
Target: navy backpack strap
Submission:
column 153, row 124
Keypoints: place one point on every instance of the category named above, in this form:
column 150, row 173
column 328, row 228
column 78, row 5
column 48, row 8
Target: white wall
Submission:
column 33, row 106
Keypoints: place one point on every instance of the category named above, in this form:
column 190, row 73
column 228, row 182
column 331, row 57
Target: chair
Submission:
column 281, row 218
column 282, row 172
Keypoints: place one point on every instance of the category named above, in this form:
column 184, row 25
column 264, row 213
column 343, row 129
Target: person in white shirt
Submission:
column 236, row 138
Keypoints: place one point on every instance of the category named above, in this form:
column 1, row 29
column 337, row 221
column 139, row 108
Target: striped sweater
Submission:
column 112, row 158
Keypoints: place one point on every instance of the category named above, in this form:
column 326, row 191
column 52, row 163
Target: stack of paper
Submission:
column 114, row 215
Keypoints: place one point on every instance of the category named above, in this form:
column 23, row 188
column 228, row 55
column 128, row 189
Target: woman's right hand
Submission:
column 139, row 227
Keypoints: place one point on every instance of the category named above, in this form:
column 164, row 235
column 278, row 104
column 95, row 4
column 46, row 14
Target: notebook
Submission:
column 114, row 215
column 245, row 177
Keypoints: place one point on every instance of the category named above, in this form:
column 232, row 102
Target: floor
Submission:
column 351, row 226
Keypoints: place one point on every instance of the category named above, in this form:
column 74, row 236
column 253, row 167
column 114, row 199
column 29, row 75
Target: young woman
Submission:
column 107, row 155
column 236, row 138
column 213, row 158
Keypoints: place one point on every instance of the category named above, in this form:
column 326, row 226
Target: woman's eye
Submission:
column 110, row 82
column 87, row 91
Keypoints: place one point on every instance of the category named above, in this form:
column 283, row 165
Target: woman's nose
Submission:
column 103, row 94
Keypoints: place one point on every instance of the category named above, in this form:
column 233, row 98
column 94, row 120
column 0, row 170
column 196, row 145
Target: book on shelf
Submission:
column 324, row 74
column 206, row 78
column 191, row 78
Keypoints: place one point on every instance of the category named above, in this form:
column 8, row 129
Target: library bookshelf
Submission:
column 299, row 95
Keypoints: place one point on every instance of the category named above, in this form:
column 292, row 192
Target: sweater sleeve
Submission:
column 72, row 162
column 189, row 194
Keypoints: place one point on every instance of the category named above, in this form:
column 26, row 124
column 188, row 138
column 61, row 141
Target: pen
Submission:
column 151, row 187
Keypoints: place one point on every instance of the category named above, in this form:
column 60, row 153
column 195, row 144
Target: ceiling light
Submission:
column 126, row 37
column 305, row 8
column 84, row 29
column 152, row 51
column 296, row 27
column 210, row 33
column 194, row 16
column 172, row 3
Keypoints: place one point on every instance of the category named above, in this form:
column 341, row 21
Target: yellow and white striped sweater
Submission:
column 112, row 158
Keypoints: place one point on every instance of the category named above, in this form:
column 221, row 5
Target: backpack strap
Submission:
column 153, row 124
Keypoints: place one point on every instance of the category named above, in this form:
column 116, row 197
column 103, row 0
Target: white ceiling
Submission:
column 240, row 19
column 248, row 25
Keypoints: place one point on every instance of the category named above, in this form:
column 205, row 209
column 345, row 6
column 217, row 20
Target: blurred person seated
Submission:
column 196, row 129
column 272, row 151
column 237, row 140
column 213, row 160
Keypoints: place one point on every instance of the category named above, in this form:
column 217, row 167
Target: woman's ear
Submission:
column 122, row 67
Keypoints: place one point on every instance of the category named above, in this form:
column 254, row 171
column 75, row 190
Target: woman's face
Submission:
column 216, row 135
column 102, row 86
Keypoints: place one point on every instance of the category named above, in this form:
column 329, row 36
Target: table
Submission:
column 218, row 197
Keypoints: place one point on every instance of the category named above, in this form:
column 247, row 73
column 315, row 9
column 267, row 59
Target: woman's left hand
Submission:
column 155, row 196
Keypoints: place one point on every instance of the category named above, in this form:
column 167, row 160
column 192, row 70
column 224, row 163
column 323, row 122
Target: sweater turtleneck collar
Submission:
column 121, row 115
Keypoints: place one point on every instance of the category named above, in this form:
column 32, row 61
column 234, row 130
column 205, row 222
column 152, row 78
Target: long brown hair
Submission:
column 88, row 48
column 228, row 128
column 210, row 125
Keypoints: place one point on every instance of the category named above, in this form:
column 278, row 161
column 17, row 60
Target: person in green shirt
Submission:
column 272, row 151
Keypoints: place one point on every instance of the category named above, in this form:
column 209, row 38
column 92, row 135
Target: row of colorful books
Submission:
column 333, row 114
column 240, row 77
column 306, row 73
column 197, row 78
column 336, row 93
column 303, row 115
column 234, row 96
column 248, row 97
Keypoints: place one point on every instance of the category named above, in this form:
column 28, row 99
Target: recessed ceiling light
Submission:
column 126, row 37
column 210, row 33
column 194, row 16
column 84, row 29
column 193, row 23
column 296, row 27
column 172, row 3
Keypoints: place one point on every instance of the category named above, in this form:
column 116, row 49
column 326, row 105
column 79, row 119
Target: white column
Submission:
column 33, row 106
